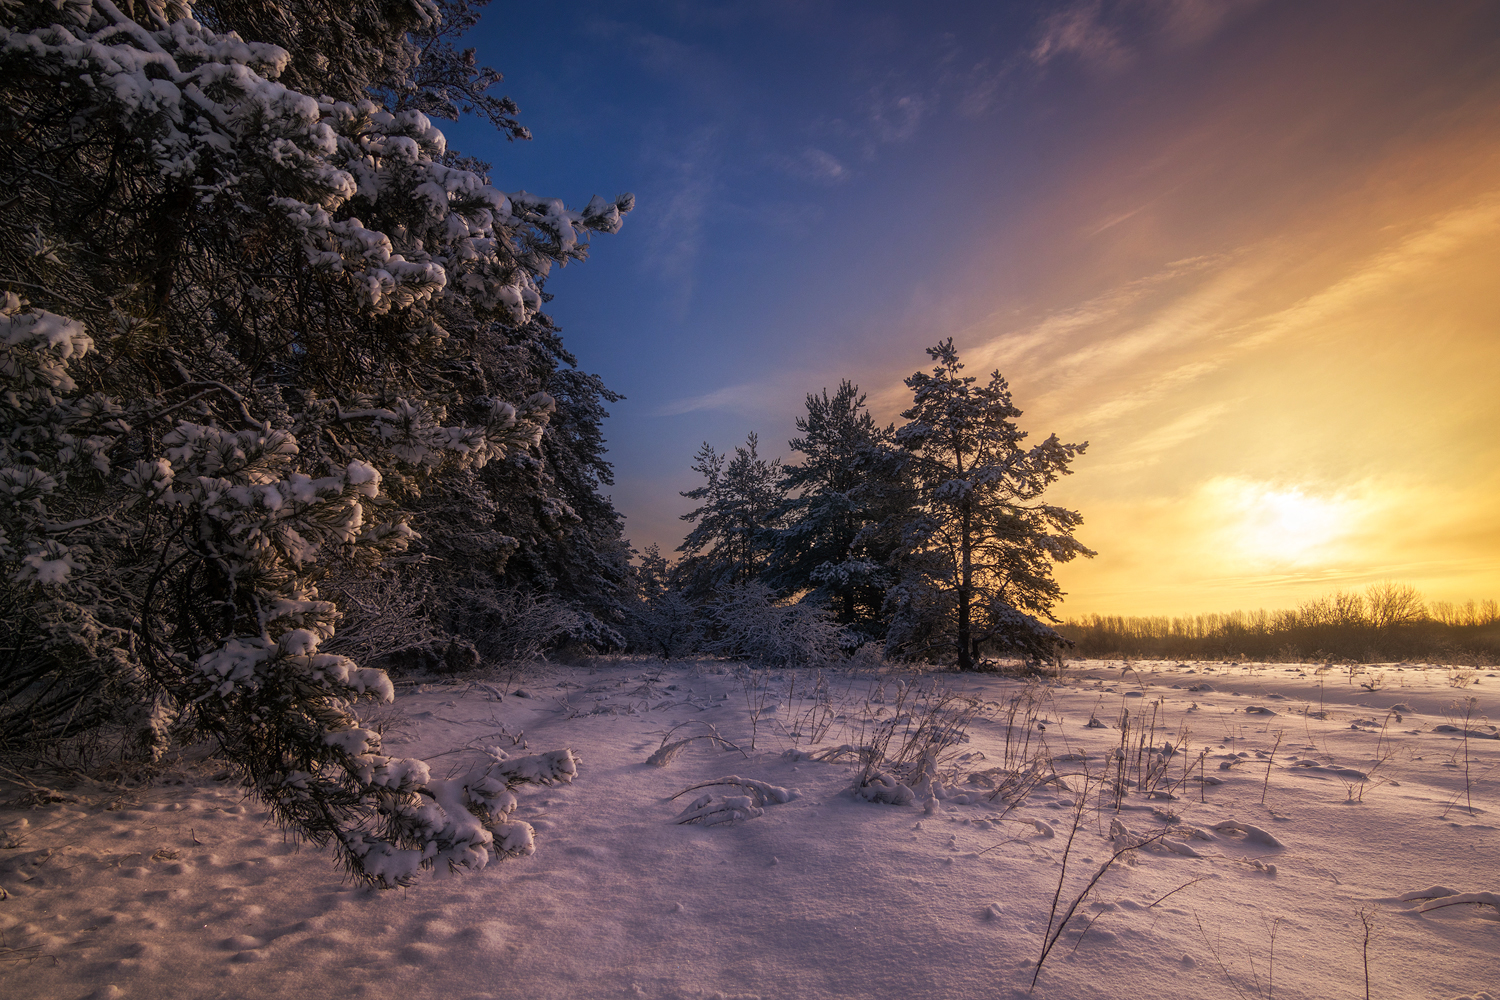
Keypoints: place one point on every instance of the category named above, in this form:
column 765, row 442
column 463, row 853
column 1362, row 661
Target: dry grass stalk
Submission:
column 666, row 752
column 1051, row 936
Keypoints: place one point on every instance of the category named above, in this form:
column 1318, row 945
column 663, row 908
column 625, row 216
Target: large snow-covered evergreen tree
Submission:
column 847, row 499
column 256, row 327
column 977, row 560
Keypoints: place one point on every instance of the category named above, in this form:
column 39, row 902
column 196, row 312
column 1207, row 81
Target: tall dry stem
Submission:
column 1367, row 920
column 1266, row 785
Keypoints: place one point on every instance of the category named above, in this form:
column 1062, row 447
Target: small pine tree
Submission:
column 734, row 530
column 659, row 618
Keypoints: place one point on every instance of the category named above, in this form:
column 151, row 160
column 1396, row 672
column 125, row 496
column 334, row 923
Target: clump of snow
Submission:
column 541, row 769
column 718, row 807
column 1489, row 899
column 884, row 788
column 1253, row 834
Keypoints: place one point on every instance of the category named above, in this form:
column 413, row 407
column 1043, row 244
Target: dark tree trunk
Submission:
column 965, row 592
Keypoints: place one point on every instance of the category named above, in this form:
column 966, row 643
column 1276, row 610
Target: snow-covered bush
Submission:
column 910, row 755
column 380, row 614
column 746, row 622
column 510, row 626
column 657, row 616
column 261, row 326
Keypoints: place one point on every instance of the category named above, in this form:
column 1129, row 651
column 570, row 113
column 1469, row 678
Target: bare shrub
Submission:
column 1461, row 677
column 1392, row 604
column 748, row 623
column 379, row 615
column 668, row 751
column 665, row 625
column 1056, row 925
column 810, row 708
column 510, row 626
column 912, row 750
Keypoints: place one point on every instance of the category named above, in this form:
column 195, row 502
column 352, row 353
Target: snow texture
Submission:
column 772, row 878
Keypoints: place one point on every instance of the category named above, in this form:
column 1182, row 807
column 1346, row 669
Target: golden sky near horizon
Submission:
column 1307, row 398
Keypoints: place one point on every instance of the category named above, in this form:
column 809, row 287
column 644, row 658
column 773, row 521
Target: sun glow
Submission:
column 1269, row 524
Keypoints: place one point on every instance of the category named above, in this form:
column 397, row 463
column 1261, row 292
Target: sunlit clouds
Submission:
column 1265, row 526
column 1386, row 374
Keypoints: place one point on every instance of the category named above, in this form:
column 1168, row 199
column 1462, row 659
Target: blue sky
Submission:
column 1189, row 231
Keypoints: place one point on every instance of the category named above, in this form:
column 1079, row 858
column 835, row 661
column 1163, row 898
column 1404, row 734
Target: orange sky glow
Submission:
column 1305, row 396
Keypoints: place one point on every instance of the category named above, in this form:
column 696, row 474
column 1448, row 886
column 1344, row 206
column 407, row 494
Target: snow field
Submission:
column 186, row 894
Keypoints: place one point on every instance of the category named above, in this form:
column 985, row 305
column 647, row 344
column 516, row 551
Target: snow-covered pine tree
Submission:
column 977, row 561
column 841, row 522
column 733, row 531
column 538, row 521
column 242, row 328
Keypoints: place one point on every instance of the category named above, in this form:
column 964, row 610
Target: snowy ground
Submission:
column 182, row 891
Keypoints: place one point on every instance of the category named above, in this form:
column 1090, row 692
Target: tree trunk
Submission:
column 965, row 592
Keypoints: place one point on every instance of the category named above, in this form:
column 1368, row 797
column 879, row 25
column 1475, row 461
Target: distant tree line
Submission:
column 931, row 540
column 1388, row 621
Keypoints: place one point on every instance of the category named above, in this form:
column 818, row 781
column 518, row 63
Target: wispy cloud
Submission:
column 813, row 164
column 889, row 114
column 1105, row 332
column 896, row 117
column 1437, row 239
column 1155, row 444
column 1116, row 219
column 741, row 397
column 1146, row 340
column 658, row 53
column 1080, row 30
column 1154, row 389
column 678, row 219
column 1108, row 35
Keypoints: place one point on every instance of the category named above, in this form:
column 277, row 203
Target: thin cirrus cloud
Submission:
column 1108, row 35
column 1274, row 420
column 730, row 397
column 1357, row 400
column 812, row 164
column 677, row 228
column 1433, row 243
